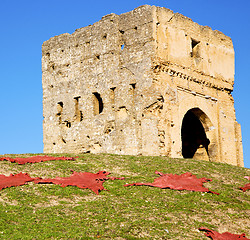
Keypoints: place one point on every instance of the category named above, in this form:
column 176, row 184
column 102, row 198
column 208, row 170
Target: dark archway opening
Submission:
column 98, row 103
column 193, row 135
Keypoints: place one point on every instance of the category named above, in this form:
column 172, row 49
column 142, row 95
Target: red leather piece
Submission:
column 34, row 159
column 222, row 236
column 83, row 180
column 15, row 180
column 247, row 186
column 185, row 181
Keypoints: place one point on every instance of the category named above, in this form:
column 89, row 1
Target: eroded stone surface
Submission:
column 124, row 84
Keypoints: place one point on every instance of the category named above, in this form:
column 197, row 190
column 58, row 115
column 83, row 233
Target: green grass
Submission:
column 47, row 211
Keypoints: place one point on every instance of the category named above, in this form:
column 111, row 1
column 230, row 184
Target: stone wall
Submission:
column 124, row 85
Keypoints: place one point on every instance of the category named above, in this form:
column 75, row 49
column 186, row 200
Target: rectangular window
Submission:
column 195, row 52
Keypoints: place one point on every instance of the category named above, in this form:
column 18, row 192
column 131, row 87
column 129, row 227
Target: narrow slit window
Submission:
column 194, row 43
column 98, row 103
column 78, row 113
column 112, row 96
column 195, row 48
column 112, row 90
column 132, row 89
column 59, row 111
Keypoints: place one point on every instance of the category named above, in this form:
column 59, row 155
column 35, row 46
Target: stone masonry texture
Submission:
column 146, row 82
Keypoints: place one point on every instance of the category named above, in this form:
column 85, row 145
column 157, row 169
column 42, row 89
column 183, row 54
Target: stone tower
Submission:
column 148, row 82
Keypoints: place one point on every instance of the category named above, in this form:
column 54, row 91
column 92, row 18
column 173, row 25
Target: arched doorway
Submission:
column 195, row 143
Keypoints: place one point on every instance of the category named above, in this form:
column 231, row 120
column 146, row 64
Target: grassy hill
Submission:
column 48, row 211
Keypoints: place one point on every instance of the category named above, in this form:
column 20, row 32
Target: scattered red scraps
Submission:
column 222, row 236
column 185, row 181
column 15, row 180
column 35, row 159
column 92, row 181
column 247, row 186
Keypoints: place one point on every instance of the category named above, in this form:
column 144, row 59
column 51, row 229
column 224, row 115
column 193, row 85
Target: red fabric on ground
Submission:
column 247, row 186
column 185, row 181
column 222, row 236
column 83, row 180
column 15, row 180
column 35, row 159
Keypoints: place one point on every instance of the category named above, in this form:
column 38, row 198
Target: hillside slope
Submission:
column 47, row 211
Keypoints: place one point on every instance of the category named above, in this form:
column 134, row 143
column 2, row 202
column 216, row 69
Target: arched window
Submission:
column 98, row 103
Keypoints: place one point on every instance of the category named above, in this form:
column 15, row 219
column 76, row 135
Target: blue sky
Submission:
column 26, row 24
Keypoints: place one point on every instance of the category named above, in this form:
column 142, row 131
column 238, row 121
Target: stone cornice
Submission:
column 191, row 75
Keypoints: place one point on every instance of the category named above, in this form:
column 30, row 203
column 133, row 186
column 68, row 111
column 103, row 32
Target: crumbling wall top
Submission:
column 183, row 22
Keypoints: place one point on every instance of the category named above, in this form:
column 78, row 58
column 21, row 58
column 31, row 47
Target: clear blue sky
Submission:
column 26, row 24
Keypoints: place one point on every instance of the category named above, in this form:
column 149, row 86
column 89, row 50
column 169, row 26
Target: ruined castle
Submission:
column 149, row 82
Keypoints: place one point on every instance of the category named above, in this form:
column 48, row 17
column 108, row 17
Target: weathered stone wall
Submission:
column 124, row 84
column 111, row 58
column 197, row 64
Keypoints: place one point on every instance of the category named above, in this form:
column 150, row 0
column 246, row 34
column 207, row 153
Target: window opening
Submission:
column 112, row 96
column 132, row 89
column 78, row 114
column 194, row 43
column 59, row 111
column 133, row 85
column 98, row 103
column 195, row 48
